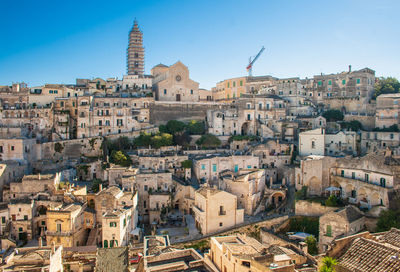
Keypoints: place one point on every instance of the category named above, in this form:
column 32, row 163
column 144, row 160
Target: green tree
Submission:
column 333, row 115
column 388, row 219
column 332, row 201
column 328, row 264
column 174, row 126
column 386, row 85
column 195, row 128
column 353, row 125
column 118, row 157
column 187, row 164
column 164, row 139
column 311, row 245
column 209, row 141
column 143, row 140
column 182, row 138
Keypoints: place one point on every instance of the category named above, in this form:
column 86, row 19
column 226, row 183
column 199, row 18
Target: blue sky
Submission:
column 59, row 41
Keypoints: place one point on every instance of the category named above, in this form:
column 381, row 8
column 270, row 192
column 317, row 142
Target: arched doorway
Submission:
column 245, row 128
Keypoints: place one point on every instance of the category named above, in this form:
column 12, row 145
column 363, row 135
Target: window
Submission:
column 12, row 148
column 248, row 117
column 58, row 227
column 191, row 91
column 330, row 82
column 313, row 144
column 353, row 193
column 105, row 244
column 203, row 167
column 3, row 219
column 113, row 224
column 320, row 83
column 220, row 224
column 124, row 222
column 342, row 173
column 383, row 182
column 228, row 84
column 214, row 167
column 20, row 229
column 358, row 81
column 165, row 91
column 25, row 217
column 234, row 84
column 1, row 149
column 145, row 188
column 248, row 166
column 343, row 82
column 329, row 230
column 241, row 83
column 236, row 168
column 366, row 178
column 353, row 175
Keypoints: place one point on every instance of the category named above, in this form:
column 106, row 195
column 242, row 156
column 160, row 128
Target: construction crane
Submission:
column 251, row 62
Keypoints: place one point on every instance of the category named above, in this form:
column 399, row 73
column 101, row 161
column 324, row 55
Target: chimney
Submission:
column 349, row 68
column 303, row 247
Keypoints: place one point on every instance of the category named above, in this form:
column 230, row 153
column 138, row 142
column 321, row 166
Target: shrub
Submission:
column 209, row 141
column 333, row 115
column 311, row 245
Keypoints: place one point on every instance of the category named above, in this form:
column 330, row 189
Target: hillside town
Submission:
column 150, row 172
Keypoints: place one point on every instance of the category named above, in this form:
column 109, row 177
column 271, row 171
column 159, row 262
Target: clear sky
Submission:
column 59, row 41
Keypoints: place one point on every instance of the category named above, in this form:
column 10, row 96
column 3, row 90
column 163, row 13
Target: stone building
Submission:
column 243, row 253
column 19, row 149
column 101, row 116
column 314, row 172
column 229, row 89
column 351, row 84
column 110, row 199
column 274, row 154
column 117, row 226
column 135, row 52
column 207, row 168
column 343, row 222
column 155, row 189
column 31, row 185
column 172, row 83
column 367, row 181
column 318, row 142
column 21, row 214
column 216, row 210
column 387, row 110
column 367, row 252
column 261, row 115
column 247, row 185
column 374, row 141
column 67, row 226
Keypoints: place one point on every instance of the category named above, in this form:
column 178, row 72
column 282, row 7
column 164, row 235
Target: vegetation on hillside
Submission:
column 333, row 115
column 388, row 219
column 386, row 85
column 209, row 141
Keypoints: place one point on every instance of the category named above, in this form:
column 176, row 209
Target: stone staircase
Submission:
column 92, row 238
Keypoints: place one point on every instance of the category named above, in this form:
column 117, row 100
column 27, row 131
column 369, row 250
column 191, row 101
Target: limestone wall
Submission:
column 368, row 121
column 306, row 208
column 162, row 112
column 352, row 105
